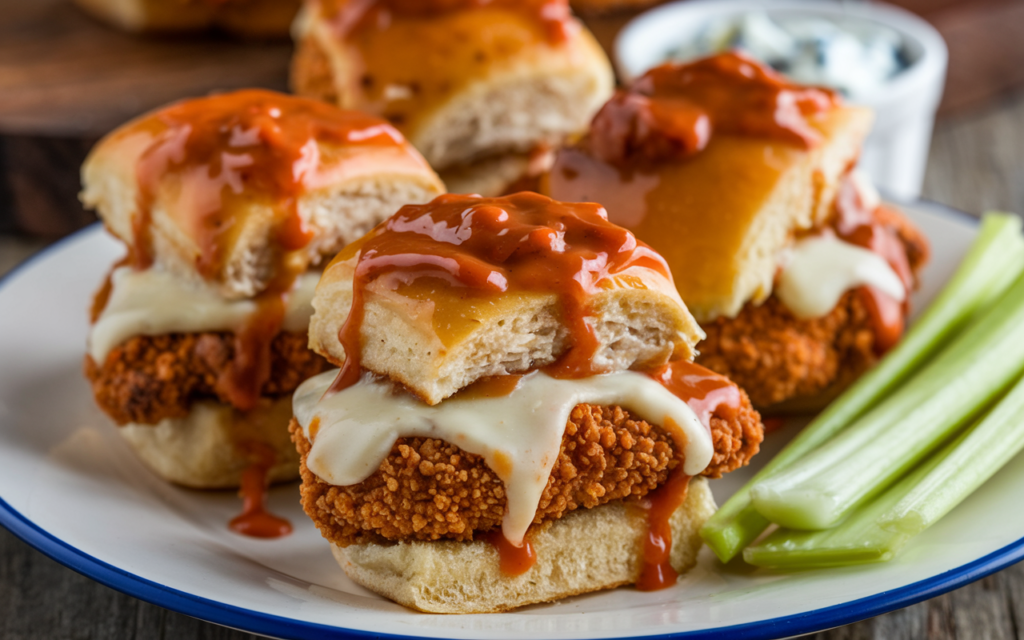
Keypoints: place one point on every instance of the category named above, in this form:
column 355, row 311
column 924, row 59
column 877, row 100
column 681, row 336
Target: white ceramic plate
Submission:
column 71, row 488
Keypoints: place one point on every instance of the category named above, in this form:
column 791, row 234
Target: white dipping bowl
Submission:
column 896, row 152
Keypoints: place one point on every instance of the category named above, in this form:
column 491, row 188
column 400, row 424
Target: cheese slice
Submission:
column 819, row 269
column 156, row 302
column 518, row 435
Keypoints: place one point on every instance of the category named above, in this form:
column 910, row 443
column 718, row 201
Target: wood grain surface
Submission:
column 976, row 163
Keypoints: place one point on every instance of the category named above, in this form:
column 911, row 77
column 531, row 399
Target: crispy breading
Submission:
column 150, row 378
column 427, row 489
column 775, row 357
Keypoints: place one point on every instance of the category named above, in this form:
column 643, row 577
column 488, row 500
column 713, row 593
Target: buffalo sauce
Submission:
column 855, row 223
column 255, row 521
column 512, row 560
column 672, row 111
column 708, row 394
column 209, row 155
column 523, row 243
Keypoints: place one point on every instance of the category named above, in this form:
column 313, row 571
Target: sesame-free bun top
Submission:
column 460, row 78
column 467, row 287
column 717, row 164
column 238, row 188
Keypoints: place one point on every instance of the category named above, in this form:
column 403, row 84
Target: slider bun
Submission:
column 437, row 342
column 487, row 177
column 250, row 18
column 723, row 218
column 201, row 450
column 537, row 94
column 741, row 261
column 360, row 187
column 586, row 550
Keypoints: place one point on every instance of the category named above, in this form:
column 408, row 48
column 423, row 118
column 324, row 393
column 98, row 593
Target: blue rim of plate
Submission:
column 277, row 626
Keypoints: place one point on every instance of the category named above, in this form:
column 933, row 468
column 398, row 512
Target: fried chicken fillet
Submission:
column 428, row 489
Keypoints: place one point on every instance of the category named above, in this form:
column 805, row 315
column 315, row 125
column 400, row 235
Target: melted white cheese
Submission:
column 153, row 302
column 820, row 269
column 517, row 435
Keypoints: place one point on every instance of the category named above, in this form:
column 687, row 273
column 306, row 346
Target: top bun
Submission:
column 717, row 164
column 461, row 79
column 468, row 287
column 237, row 188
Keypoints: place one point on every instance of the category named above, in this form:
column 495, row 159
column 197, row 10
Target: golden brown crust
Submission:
column 150, row 378
column 778, row 358
column 427, row 489
column 775, row 356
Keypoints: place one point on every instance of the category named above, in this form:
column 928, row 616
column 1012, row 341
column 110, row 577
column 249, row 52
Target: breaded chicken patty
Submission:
column 776, row 357
column 428, row 489
column 150, row 378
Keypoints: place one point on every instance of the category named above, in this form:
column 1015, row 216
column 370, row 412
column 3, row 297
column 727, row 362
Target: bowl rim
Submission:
column 928, row 69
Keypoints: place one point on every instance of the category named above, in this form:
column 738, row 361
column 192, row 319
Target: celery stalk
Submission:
column 995, row 258
column 858, row 540
column 996, row 439
column 818, row 491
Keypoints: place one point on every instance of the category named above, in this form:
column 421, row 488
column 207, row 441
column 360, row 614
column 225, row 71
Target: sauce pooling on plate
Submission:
column 524, row 243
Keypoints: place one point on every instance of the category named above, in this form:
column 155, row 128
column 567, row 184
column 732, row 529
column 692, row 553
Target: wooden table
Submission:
column 977, row 163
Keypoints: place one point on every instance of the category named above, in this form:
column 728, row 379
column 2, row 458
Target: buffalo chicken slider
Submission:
column 226, row 203
column 517, row 417
column 483, row 89
column 745, row 183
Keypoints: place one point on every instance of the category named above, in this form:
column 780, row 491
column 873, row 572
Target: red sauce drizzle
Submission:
column 514, row 561
column 255, row 521
column 856, row 224
column 485, row 246
column 243, row 380
column 672, row 110
column 708, row 394
column 351, row 15
column 244, row 144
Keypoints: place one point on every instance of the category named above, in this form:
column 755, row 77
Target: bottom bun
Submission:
column 215, row 443
column 586, row 550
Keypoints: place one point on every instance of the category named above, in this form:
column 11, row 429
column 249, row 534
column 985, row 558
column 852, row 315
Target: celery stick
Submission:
column 986, row 449
column 859, row 539
column 995, row 258
column 820, row 489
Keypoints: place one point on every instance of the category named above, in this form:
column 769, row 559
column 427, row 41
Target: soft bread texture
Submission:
column 205, row 450
column 765, row 216
column 487, row 177
column 513, row 102
column 586, row 550
column 360, row 187
column 638, row 326
column 250, row 18
column 723, row 218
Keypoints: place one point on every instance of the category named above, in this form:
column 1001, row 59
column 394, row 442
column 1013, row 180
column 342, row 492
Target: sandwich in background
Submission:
column 246, row 18
column 226, row 204
column 517, row 418
column 483, row 89
column 745, row 182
